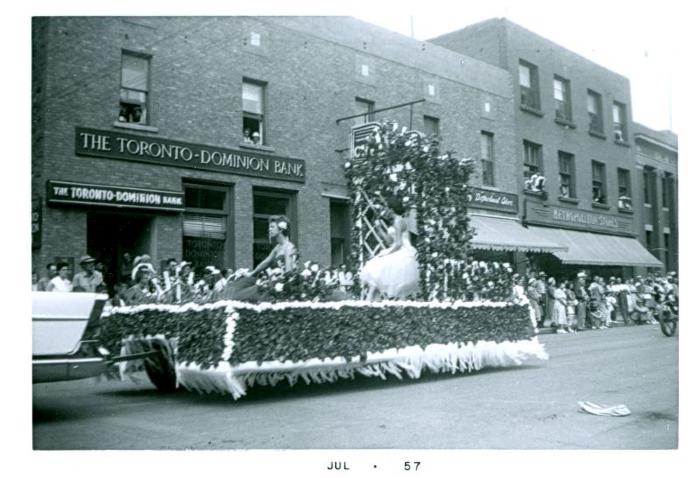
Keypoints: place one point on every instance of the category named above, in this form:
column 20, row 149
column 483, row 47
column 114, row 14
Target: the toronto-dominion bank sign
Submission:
column 166, row 152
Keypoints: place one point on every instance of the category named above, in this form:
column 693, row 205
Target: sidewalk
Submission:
column 548, row 329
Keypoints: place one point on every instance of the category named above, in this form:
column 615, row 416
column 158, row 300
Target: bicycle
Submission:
column 668, row 318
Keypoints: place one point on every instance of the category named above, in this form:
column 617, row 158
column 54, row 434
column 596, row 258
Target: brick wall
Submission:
column 197, row 67
column 504, row 44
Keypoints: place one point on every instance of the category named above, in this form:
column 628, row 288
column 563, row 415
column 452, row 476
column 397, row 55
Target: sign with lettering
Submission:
column 63, row 192
column 110, row 144
column 570, row 218
column 496, row 200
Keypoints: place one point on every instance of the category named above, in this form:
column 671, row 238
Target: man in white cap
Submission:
column 88, row 280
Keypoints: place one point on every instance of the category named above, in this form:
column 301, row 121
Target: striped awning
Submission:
column 588, row 248
column 505, row 234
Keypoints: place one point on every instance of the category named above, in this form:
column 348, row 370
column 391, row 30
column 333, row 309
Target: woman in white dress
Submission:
column 394, row 271
column 61, row 283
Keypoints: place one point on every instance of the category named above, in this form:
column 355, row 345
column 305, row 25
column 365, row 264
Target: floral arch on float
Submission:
column 464, row 317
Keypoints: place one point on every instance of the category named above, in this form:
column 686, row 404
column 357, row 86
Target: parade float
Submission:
column 464, row 317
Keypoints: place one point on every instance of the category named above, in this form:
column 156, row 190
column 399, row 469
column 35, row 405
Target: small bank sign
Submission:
column 62, row 192
column 114, row 145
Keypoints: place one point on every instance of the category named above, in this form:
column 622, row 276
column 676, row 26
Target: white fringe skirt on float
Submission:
column 411, row 361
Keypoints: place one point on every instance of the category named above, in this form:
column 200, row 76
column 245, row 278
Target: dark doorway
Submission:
column 110, row 235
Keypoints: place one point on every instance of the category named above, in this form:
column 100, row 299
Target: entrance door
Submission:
column 110, row 235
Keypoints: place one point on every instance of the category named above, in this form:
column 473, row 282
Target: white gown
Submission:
column 394, row 274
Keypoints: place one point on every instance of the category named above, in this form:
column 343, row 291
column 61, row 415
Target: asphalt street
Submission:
column 533, row 406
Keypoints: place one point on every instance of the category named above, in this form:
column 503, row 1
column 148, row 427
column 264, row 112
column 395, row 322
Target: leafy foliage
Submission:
column 307, row 331
column 304, row 333
column 409, row 165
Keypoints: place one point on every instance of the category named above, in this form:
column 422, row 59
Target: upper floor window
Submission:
column 562, row 99
column 666, row 190
column 567, row 175
column 253, row 99
column 595, row 117
column 624, row 199
column 133, row 96
column 366, row 108
column 648, row 178
column 487, row 157
column 619, row 121
column 532, row 166
column 529, row 85
column 431, row 126
column 599, row 192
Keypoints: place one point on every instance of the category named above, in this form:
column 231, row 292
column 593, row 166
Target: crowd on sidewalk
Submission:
column 594, row 302
column 568, row 306
column 140, row 283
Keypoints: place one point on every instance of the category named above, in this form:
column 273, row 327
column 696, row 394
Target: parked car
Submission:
column 60, row 348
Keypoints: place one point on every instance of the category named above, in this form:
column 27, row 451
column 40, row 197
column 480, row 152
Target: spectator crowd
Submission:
column 569, row 306
column 140, row 283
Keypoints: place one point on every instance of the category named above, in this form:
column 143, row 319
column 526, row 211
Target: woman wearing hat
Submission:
column 140, row 292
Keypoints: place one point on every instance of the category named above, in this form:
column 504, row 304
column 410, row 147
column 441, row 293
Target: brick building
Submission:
column 178, row 137
column 656, row 155
column 572, row 126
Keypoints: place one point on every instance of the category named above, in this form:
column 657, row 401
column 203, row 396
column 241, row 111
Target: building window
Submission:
column 650, row 240
column 619, row 121
column 529, row 85
column 595, row 118
column 266, row 204
column 431, row 126
column 666, row 196
column 599, row 193
column 532, row 159
column 487, row 157
column 205, row 225
column 648, row 177
column 253, row 99
column 133, row 96
column 624, row 198
column 340, row 232
column 366, row 108
column 567, row 175
column 667, row 249
column 562, row 99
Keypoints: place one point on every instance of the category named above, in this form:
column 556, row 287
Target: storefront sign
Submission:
column 62, row 192
column 36, row 223
column 570, row 218
column 110, row 144
column 485, row 199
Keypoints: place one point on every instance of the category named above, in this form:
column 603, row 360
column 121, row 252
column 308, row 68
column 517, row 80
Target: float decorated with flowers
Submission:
column 311, row 325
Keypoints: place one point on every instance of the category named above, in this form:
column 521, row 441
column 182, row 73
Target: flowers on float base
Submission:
column 314, row 268
column 306, row 273
column 279, row 287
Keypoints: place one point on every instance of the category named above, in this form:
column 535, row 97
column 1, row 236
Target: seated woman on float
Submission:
column 283, row 255
column 393, row 272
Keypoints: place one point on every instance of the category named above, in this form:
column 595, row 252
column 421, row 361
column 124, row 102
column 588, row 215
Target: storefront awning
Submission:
column 588, row 248
column 503, row 234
